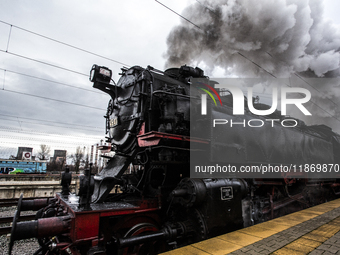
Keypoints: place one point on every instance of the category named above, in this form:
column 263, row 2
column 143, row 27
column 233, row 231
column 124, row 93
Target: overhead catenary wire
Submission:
column 7, row 150
column 256, row 64
column 52, row 99
column 32, row 132
column 43, row 97
column 56, row 82
column 45, row 140
column 63, row 43
column 208, row 8
column 45, row 63
column 62, row 146
column 180, row 15
column 45, row 124
column 49, row 121
column 313, row 87
column 9, row 37
column 42, row 140
column 4, row 80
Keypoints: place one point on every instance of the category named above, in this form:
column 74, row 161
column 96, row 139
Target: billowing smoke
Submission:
column 280, row 36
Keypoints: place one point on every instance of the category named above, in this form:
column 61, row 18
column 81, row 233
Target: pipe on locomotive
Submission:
column 167, row 233
column 41, row 228
column 35, row 204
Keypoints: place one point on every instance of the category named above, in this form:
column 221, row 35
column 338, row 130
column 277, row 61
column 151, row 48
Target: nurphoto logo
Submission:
column 238, row 99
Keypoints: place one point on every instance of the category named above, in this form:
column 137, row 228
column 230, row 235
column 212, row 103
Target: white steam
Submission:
column 281, row 36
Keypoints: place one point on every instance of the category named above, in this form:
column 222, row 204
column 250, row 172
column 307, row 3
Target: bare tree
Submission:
column 77, row 158
column 44, row 152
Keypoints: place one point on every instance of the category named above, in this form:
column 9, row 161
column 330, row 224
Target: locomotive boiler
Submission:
column 157, row 206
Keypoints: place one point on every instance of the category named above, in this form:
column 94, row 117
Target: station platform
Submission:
column 311, row 231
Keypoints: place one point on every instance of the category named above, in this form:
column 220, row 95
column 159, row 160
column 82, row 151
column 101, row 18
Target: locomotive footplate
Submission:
column 64, row 224
column 85, row 222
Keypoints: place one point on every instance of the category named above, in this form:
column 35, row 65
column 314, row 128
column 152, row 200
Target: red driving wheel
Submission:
column 145, row 248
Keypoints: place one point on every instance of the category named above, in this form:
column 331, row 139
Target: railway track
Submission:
column 14, row 201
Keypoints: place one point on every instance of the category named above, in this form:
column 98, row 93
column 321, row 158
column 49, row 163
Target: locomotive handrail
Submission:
column 152, row 138
column 172, row 94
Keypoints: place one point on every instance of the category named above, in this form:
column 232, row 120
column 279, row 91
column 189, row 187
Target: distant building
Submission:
column 59, row 156
column 24, row 153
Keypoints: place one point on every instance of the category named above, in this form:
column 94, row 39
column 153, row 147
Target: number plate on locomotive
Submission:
column 113, row 122
column 226, row 193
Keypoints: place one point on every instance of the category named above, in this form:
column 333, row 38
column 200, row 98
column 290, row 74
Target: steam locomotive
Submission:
column 156, row 206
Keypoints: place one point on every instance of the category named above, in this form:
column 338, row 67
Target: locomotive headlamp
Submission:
column 101, row 74
column 101, row 78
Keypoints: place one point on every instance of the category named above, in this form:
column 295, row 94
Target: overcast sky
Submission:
column 131, row 32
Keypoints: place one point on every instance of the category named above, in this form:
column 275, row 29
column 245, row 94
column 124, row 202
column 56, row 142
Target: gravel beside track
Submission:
column 22, row 247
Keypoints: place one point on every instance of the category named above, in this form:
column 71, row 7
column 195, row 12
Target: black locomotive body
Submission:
column 156, row 206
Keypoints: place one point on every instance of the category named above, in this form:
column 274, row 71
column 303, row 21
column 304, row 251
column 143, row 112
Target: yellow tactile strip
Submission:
column 233, row 241
column 312, row 240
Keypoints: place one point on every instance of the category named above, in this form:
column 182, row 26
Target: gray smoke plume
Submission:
column 281, row 36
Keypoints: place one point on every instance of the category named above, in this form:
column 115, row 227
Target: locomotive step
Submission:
column 311, row 231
